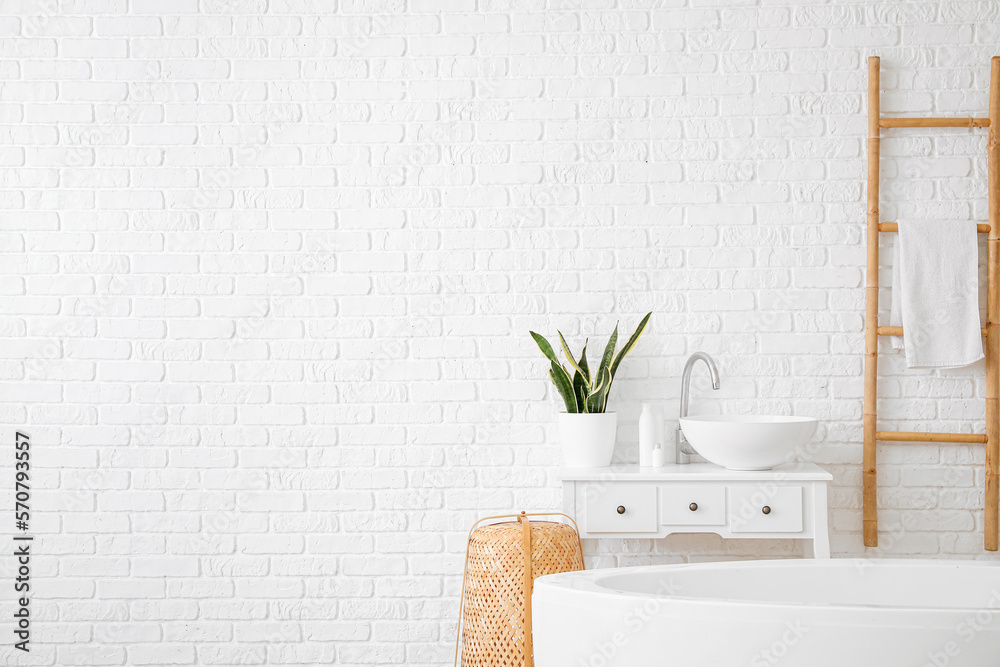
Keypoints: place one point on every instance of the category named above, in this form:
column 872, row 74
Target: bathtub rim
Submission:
column 585, row 584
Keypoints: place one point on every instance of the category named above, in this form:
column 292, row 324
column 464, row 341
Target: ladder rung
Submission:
column 934, row 122
column 913, row 436
column 898, row 331
column 894, row 227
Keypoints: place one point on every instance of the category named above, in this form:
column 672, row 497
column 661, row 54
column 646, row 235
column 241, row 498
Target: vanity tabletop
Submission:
column 799, row 471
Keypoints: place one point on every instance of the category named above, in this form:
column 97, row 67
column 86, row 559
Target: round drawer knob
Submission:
column 621, row 509
column 693, row 507
column 766, row 509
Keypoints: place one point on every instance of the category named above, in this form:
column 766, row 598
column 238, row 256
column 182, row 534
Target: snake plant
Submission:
column 587, row 390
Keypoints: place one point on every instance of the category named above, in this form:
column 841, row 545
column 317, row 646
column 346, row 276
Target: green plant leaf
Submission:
column 572, row 360
column 599, row 386
column 560, row 378
column 630, row 344
column 583, row 362
column 580, row 389
column 607, row 393
column 544, row 346
column 609, row 351
column 598, row 399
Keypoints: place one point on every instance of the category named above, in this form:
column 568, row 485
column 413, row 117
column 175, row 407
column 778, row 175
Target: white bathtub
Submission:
column 793, row 613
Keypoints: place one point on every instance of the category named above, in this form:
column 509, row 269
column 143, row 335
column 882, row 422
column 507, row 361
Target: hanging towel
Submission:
column 895, row 307
column 936, row 293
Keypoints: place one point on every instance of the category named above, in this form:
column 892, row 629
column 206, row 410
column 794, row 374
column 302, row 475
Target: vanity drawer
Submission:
column 756, row 508
column 693, row 505
column 620, row 508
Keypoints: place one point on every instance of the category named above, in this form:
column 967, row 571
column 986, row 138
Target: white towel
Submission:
column 895, row 307
column 935, row 293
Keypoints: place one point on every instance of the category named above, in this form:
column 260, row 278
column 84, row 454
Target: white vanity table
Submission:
column 788, row 502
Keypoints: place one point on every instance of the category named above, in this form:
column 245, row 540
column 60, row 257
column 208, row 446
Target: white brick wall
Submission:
column 268, row 273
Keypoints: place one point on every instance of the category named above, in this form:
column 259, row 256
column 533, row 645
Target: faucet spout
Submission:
column 684, row 451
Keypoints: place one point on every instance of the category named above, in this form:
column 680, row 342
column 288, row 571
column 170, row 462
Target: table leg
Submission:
column 821, row 526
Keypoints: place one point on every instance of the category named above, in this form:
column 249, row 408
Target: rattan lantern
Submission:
column 501, row 563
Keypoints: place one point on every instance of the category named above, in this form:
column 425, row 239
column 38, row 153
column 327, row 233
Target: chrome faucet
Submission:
column 684, row 450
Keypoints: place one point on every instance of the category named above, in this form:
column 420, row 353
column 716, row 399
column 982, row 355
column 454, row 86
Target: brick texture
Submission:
column 268, row 270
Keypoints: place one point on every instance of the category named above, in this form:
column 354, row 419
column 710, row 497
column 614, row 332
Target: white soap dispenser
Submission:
column 649, row 423
column 659, row 456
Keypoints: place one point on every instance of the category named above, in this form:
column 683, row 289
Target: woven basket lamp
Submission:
column 501, row 563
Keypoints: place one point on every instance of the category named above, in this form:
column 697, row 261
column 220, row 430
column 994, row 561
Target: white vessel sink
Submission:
column 748, row 442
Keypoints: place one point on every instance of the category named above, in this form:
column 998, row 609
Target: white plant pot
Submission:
column 588, row 440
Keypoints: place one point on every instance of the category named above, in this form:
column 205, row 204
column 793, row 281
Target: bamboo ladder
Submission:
column 991, row 332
